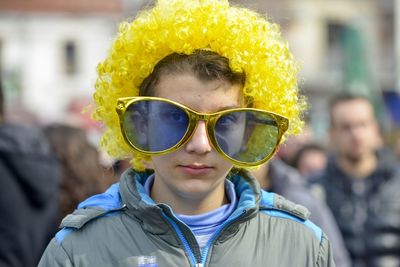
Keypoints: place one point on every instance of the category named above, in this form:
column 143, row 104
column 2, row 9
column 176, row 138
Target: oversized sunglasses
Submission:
column 156, row 126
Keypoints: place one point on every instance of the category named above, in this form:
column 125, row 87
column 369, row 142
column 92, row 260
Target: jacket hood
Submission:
column 246, row 187
column 130, row 197
column 129, row 194
column 130, row 191
column 27, row 155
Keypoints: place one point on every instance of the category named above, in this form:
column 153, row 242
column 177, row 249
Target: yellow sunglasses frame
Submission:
column 194, row 116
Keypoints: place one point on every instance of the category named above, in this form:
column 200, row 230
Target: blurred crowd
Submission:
column 349, row 182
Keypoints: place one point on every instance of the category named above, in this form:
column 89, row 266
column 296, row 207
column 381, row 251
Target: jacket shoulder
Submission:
column 277, row 206
column 80, row 218
column 277, row 202
column 97, row 206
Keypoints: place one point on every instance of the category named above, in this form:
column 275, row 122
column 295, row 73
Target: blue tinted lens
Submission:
column 247, row 136
column 154, row 126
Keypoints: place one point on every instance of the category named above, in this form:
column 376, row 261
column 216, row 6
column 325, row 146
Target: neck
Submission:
column 359, row 169
column 262, row 177
column 190, row 205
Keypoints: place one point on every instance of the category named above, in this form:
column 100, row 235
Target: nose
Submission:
column 199, row 142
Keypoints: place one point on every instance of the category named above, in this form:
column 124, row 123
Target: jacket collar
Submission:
column 152, row 216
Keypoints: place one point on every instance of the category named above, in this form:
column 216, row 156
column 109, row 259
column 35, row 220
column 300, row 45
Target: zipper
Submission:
column 185, row 244
column 204, row 253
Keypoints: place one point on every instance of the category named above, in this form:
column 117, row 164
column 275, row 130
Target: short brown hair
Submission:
column 205, row 65
column 345, row 97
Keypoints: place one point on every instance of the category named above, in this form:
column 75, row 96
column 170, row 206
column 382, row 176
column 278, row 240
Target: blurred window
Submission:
column 335, row 53
column 70, row 57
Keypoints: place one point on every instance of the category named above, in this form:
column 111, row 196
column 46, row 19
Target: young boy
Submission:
column 193, row 91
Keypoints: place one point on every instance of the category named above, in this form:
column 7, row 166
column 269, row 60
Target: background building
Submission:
column 343, row 45
column 49, row 50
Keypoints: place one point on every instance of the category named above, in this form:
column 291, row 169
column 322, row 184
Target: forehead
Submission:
column 352, row 111
column 200, row 95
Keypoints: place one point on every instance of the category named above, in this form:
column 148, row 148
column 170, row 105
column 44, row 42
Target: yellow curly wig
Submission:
column 252, row 44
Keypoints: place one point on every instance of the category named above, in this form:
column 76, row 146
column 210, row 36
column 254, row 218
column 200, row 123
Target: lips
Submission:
column 196, row 166
column 196, row 169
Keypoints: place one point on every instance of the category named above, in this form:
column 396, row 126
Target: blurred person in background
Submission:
column 278, row 177
column 82, row 174
column 29, row 176
column 361, row 184
column 290, row 148
column 118, row 167
column 392, row 141
column 310, row 159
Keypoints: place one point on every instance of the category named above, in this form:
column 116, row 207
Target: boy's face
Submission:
column 195, row 171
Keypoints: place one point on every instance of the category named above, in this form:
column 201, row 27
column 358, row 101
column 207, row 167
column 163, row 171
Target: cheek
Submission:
column 170, row 159
column 158, row 162
column 374, row 139
column 340, row 138
column 224, row 164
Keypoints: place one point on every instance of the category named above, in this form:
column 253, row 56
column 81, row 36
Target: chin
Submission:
column 196, row 188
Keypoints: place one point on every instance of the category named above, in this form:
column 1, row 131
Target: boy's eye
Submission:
column 227, row 121
column 177, row 116
column 174, row 116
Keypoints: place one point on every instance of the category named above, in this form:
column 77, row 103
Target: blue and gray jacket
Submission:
column 118, row 226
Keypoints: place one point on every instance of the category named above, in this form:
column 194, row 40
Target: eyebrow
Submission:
column 228, row 107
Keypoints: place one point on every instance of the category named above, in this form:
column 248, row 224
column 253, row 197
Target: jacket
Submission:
column 29, row 175
column 115, row 228
column 367, row 211
column 286, row 181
